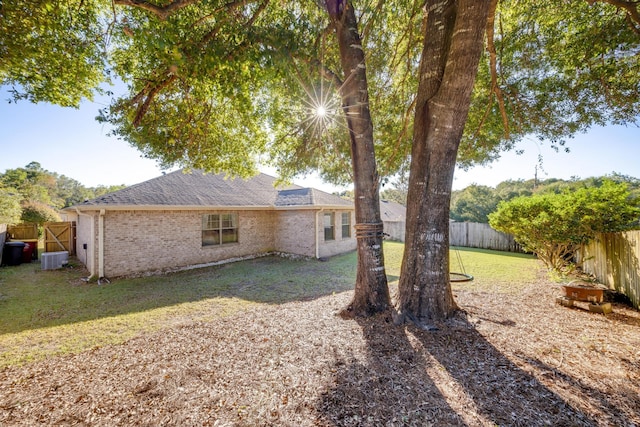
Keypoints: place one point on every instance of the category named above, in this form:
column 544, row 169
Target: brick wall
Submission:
column 139, row 241
column 340, row 244
column 146, row 241
column 295, row 232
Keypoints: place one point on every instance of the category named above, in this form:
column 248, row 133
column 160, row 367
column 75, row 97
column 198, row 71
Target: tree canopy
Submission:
column 473, row 204
column 553, row 69
column 53, row 51
column 218, row 85
column 10, row 210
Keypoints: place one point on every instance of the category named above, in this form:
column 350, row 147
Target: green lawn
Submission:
column 492, row 271
column 54, row 312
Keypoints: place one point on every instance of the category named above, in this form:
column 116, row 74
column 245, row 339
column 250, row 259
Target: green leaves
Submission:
column 473, row 204
column 9, row 206
column 553, row 225
column 53, row 51
column 37, row 187
column 196, row 95
column 561, row 67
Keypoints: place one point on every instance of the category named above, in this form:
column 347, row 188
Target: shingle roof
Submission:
column 392, row 211
column 198, row 189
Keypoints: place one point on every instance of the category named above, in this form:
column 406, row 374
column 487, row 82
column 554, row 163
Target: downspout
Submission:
column 92, row 270
column 101, row 244
column 318, row 215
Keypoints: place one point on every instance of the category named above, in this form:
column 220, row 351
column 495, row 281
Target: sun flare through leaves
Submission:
column 321, row 110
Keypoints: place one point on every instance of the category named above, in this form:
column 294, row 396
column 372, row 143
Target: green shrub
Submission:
column 9, row 207
column 554, row 226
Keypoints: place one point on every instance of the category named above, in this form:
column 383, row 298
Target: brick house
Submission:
column 188, row 219
column 394, row 219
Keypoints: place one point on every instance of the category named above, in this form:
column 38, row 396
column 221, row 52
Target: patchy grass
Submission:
column 55, row 312
column 258, row 343
column 32, row 298
column 493, row 271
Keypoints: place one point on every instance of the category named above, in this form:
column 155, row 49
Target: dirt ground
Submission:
column 507, row 359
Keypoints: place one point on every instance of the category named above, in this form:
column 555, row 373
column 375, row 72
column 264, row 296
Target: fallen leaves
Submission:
column 508, row 359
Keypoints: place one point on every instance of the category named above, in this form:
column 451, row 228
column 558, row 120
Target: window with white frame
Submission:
column 346, row 225
column 218, row 229
column 329, row 226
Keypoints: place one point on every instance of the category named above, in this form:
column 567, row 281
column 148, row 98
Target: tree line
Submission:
column 34, row 194
column 476, row 202
column 552, row 218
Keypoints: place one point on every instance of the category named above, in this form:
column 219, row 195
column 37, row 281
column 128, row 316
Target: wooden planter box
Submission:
column 584, row 293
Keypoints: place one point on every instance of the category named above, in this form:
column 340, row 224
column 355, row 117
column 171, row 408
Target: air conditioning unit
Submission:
column 53, row 260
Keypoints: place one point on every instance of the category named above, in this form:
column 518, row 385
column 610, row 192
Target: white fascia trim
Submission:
column 96, row 208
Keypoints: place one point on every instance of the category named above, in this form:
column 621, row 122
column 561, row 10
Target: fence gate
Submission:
column 60, row 236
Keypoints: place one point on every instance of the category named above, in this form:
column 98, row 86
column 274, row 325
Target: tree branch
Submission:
column 635, row 26
column 493, row 63
column 145, row 97
column 632, row 7
column 149, row 93
column 257, row 13
column 406, row 120
column 367, row 26
column 163, row 12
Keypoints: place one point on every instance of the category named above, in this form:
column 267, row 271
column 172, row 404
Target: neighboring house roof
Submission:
column 198, row 189
column 392, row 211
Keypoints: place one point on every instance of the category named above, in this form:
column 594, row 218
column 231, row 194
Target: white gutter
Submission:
column 101, row 244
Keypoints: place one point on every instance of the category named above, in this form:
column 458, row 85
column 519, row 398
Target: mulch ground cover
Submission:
column 508, row 359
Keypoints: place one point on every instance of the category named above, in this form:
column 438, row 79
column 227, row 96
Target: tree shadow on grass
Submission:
column 452, row 377
column 490, row 251
column 33, row 299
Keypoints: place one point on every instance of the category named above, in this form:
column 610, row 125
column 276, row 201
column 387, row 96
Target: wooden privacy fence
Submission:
column 60, row 236
column 479, row 235
column 394, row 230
column 27, row 231
column 613, row 258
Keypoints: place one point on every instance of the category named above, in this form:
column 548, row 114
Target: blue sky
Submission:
column 72, row 143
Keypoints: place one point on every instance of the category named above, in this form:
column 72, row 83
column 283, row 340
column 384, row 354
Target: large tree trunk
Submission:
column 452, row 49
column 371, row 291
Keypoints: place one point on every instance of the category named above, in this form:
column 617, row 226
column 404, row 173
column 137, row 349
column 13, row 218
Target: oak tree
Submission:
column 215, row 85
column 550, row 69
